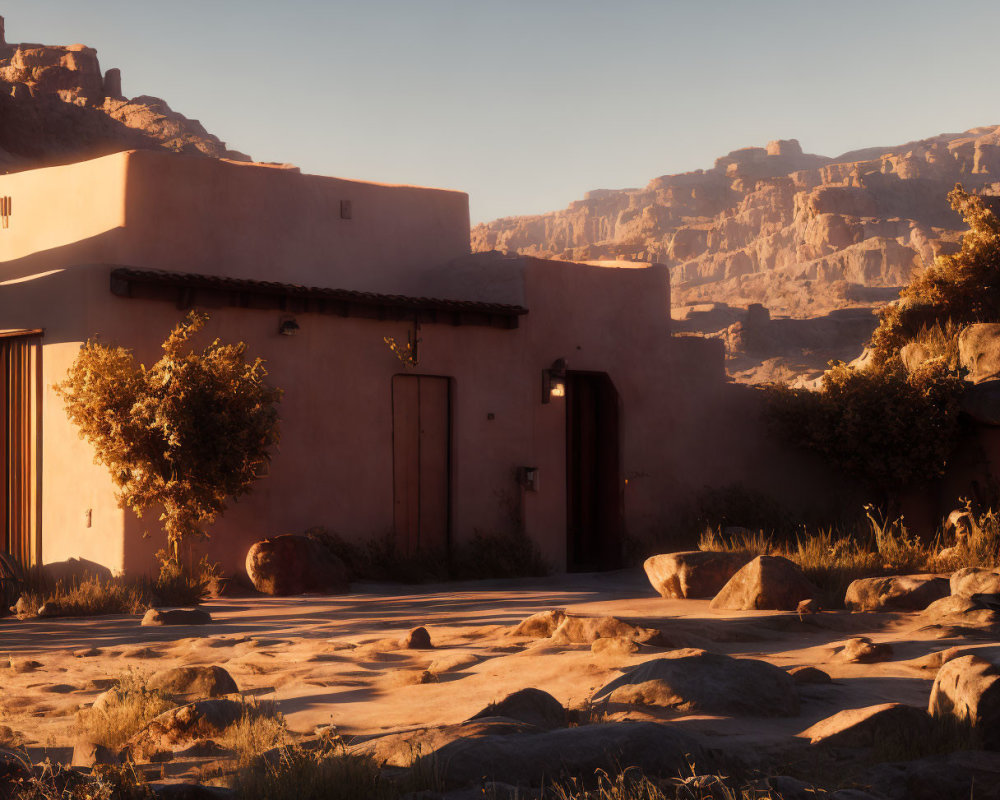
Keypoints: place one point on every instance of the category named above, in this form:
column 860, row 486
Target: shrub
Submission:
column 884, row 426
column 185, row 434
column 129, row 708
column 959, row 289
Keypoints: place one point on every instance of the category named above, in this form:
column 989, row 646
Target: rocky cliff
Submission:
column 57, row 106
column 802, row 234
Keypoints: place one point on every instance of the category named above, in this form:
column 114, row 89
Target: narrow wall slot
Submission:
column 6, row 207
column 346, row 209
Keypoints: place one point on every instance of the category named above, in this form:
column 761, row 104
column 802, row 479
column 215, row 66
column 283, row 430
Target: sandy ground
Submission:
column 335, row 659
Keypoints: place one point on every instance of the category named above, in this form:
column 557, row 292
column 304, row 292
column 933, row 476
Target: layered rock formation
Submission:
column 56, row 106
column 802, row 234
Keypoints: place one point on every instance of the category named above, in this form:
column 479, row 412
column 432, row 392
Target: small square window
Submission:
column 346, row 211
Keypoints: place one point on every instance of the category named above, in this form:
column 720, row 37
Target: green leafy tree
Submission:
column 185, row 435
column 961, row 288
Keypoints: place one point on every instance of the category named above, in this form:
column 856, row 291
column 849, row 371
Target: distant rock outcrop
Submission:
column 56, row 106
column 802, row 234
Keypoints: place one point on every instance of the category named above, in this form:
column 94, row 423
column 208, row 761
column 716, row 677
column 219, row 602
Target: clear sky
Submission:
column 527, row 104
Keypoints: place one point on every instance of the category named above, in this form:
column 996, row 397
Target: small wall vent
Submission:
column 346, row 209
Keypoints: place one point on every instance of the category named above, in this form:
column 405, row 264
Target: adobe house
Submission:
column 548, row 396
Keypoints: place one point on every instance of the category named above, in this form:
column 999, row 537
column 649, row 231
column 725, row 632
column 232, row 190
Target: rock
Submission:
column 809, row 606
column 23, row 608
column 24, row 665
column 703, row 682
column 295, row 564
column 895, row 593
column 972, row 580
column 615, row 646
column 176, row 729
column 967, row 689
column 692, row 573
column 586, row 630
column 87, row 652
column 89, row 754
column 199, row 682
column 453, row 662
column 531, row 758
column 767, row 582
column 963, row 775
column 176, row 616
column 962, row 613
column 398, row 749
column 979, row 351
column 539, row 626
column 51, row 608
column 806, row 675
column 74, row 570
column 417, row 639
column 862, row 650
column 532, row 706
column 864, row 727
column 981, row 401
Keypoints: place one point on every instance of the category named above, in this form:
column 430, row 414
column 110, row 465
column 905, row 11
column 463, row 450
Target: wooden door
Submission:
column 15, row 447
column 593, row 491
column 421, row 441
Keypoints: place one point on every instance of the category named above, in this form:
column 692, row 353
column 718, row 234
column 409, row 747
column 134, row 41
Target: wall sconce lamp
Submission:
column 288, row 327
column 554, row 380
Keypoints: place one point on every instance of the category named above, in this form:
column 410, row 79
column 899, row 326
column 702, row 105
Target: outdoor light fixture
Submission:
column 288, row 327
column 554, row 380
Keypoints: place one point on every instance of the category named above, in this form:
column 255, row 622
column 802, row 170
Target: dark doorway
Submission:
column 593, row 491
column 421, row 462
column 15, row 447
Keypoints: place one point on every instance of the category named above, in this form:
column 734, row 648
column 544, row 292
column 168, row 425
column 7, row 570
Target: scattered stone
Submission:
column 176, row 616
column 614, row 646
column 195, row 682
column 808, row 606
column 973, row 580
column 52, row 608
column 90, row 754
column 417, row 639
column 692, row 573
column 23, row 608
column 295, row 564
column 896, row 593
column 956, row 611
column 176, row 729
column 24, row 665
column 87, row 652
column 586, row 630
column 967, row 689
column 767, row 582
column 139, row 652
column 453, row 662
column 862, row 650
column 863, row 727
column 541, row 625
column 532, row 706
column 806, row 675
column 699, row 681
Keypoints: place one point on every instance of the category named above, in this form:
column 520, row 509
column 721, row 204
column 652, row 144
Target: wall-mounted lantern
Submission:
column 554, row 380
column 288, row 327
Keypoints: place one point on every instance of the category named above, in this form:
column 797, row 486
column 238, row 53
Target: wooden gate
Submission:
column 421, row 460
column 16, row 447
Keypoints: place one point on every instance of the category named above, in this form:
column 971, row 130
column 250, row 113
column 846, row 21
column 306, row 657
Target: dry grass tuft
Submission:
column 261, row 728
column 129, row 708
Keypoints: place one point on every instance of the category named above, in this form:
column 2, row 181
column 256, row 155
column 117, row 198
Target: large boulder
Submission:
column 767, row 582
column 979, row 351
column 974, row 580
column 967, row 689
column 295, row 564
column 177, row 729
column 532, row 706
column 956, row 613
column 896, row 593
column 862, row 650
column 701, row 682
column 533, row 758
column 540, row 625
column 198, row 683
column 692, row 573
column 864, row 727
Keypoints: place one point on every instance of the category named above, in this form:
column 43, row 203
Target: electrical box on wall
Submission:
column 528, row 478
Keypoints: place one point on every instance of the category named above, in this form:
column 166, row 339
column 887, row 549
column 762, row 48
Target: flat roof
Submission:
column 187, row 289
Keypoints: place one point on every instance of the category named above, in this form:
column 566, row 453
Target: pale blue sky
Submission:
column 527, row 104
